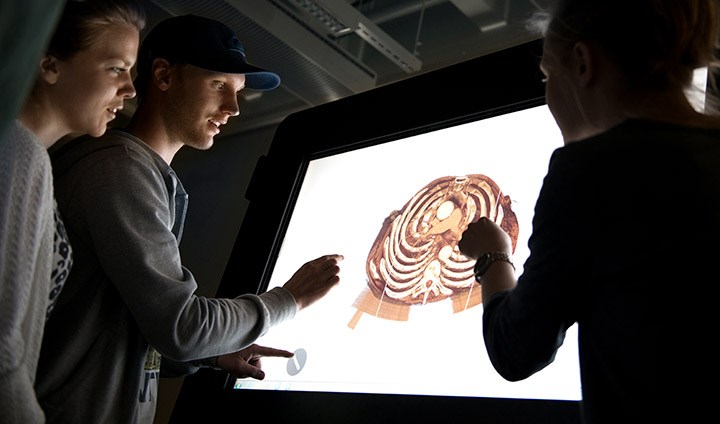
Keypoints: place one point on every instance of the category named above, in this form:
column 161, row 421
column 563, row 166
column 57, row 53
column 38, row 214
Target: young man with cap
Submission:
column 129, row 301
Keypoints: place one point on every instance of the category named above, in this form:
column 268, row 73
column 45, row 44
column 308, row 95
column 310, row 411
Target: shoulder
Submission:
column 627, row 139
column 23, row 158
column 114, row 150
column 112, row 143
column 20, row 144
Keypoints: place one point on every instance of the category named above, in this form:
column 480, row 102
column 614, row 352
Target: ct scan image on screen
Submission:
column 406, row 317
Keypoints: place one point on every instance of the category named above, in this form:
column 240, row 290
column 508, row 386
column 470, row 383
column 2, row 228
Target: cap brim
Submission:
column 256, row 78
column 261, row 81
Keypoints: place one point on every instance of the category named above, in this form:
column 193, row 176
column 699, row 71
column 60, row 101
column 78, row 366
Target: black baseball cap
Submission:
column 202, row 42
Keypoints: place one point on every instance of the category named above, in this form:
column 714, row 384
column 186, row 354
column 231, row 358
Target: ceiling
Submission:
column 325, row 50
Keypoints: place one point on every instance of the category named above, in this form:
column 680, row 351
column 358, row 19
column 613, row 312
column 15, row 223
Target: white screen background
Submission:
column 340, row 209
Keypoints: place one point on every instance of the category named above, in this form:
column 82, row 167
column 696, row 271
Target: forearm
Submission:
column 500, row 277
column 174, row 369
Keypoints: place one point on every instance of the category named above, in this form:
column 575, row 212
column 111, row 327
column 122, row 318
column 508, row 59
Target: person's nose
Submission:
column 231, row 106
column 127, row 90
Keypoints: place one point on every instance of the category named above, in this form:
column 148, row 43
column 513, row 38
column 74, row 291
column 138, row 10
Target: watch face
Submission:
column 482, row 264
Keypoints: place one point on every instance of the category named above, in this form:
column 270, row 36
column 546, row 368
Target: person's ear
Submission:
column 161, row 74
column 48, row 69
column 583, row 64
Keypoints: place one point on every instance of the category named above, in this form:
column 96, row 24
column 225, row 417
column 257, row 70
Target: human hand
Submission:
column 314, row 280
column 246, row 362
column 484, row 236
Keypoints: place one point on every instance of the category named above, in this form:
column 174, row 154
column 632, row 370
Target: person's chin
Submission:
column 98, row 131
column 205, row 144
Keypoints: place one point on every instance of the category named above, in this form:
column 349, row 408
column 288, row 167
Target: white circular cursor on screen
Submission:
column 297, row 362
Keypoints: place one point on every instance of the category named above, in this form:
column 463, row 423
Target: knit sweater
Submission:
column 26, row 251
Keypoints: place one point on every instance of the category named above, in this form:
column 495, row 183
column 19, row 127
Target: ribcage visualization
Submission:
column 415, row 259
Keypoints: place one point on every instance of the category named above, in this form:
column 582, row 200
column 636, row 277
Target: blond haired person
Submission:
column 626, row 232
column 82, row 81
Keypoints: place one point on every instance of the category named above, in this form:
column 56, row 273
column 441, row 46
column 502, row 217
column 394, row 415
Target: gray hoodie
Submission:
column 128, row 300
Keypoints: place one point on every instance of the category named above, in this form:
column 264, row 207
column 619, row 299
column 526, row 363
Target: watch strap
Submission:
column 482, row 265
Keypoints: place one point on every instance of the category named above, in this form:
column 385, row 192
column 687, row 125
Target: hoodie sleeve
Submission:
column 120, row 204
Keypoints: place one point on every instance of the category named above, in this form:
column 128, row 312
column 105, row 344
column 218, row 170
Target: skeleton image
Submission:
column 415, row 259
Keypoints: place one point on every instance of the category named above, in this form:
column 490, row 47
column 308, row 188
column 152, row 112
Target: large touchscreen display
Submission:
column 406, row 317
